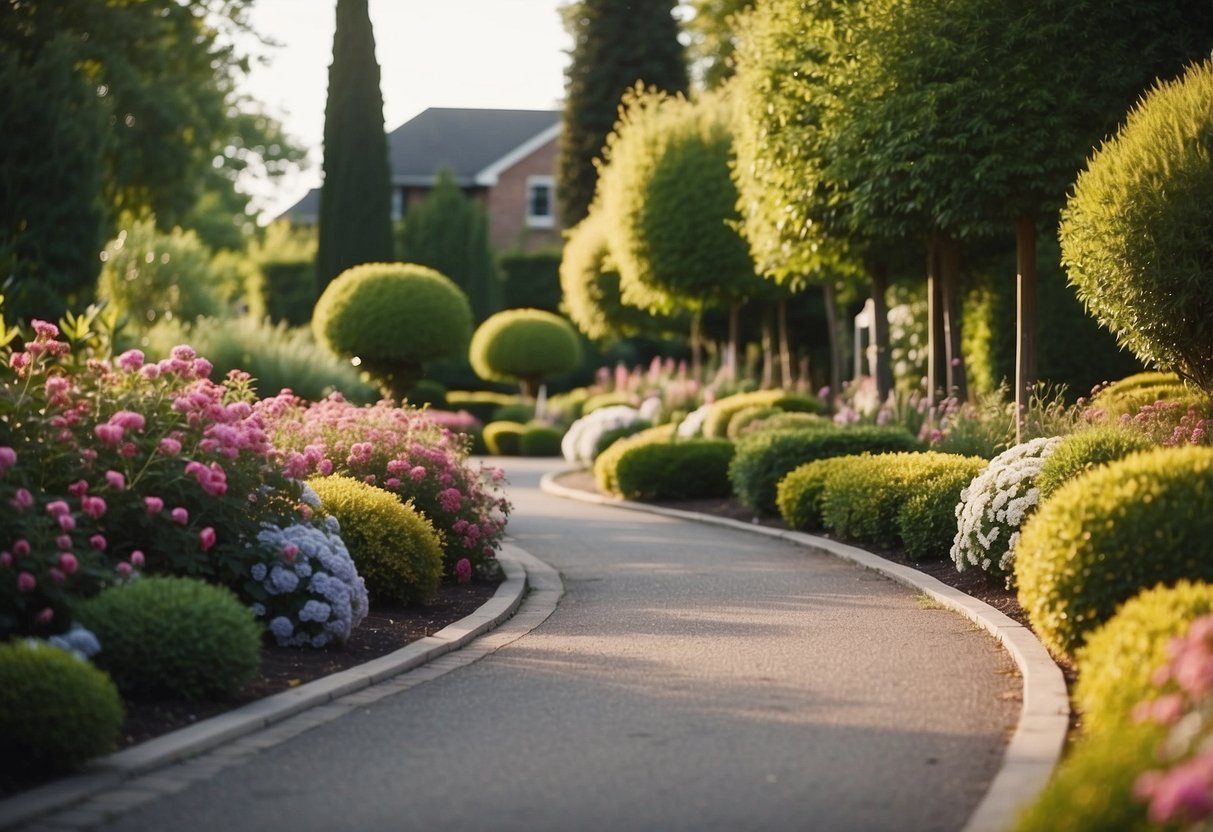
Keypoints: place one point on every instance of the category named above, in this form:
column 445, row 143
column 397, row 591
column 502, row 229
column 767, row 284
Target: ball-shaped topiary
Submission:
column 784, row 421
column 798, row 495
column 393, row 317
column 1102, row 537
column 504, row 438
column 607, row 463
column 56, row 711
column 1080, row 452
column 1134, row 234
column 176, row 636
column 396, row 549
column 540, row 440
column 1118, row 660
column 526, row 345
column 716, row 424
column 680, row 470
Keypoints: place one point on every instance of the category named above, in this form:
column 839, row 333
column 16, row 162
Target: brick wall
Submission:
column 507, row 205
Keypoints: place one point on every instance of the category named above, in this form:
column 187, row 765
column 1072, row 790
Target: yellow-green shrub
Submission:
column 675, row 470
column 540, row 440
column 504, row 438
column 605, row 463
column 785, row 421
column 395, row 547
column 1118, row 659
column 56, row 711
column 1106, row 535
column 716, row 425
column 798, row 495
column 1080, row 452
column 926, row 523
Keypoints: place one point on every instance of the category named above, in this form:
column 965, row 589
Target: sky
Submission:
column 432, row 53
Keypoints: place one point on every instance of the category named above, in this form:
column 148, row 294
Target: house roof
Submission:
column 476, row 144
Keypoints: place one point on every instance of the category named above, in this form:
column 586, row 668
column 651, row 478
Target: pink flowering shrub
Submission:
column 402, row 450
column 1171, row 423
column 1180, row 790
column 112, row 467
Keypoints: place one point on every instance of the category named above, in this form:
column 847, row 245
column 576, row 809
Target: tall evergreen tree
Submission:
column 615, row 45
column 356, row 198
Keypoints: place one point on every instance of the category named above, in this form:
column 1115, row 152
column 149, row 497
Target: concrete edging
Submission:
column 1036, row 746
column 106, row 772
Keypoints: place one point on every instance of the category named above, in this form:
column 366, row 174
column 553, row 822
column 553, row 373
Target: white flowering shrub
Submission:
column 310, row 593
column 994, row 506
column 692, row 425
column 581, row 439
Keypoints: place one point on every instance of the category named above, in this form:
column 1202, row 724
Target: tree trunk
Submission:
column 949, row 273
column 785, row 348
column 936, row 356
column 1025, row 318
column 768, row 351
column 696, row 346
column 879, row 274
column 831, row 302
column 731, row 358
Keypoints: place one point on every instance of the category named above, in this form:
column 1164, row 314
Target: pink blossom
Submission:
column 26, row 582
column 392, row 483
column 94, row 507
column 45, row 615
column 325, row 467
column 116, row 480
column 64, row 541
column 98, row 542
column 137, row 559
column 290, row 551
column 131, row 360
column 202, row 368
column 154, row 504
column 109, row 434
column 123, row 569
column 450, row 499
column 180, row 516
column 463, row 570
column 88, row 455
column 417, row 474
column 22, row 499
column 78, row 489
column 44, row 330
column 67, row 523
column 128, row 420
column 57, row 507
column 151, row 372
column 6, row 559
column 129, row 450
column 170, row 446
column 57, row 576
column 20, row 360
column 206, row 538
column 68, row 563
column 184, row 352
column 21, row 548
column 8, row 458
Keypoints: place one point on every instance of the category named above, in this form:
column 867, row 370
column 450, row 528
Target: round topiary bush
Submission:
column 504, row 438
column 1134, row 523
column 1134, row 233
column 722, row 411
column 524, row 345
column 798, row 495
column 1118, row 660
column 786, row 421
column 540, row 440
column 994, row 506
column 395, row 547
column 1080, row 452
column 763, row 459
column 926, row 523
column 175, row 636
column 607, row 463
column 675, row 470
column 393, row 318
column 56, row 711
column 748, row 415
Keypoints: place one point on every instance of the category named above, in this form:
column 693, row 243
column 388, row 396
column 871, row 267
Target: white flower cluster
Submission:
column 314, row 594
column 994, row 505
column 581, row 439
column 692, row 424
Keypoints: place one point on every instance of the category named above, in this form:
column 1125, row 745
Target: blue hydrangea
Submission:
column 282, row 628
column 258, row 571
column 315, row 611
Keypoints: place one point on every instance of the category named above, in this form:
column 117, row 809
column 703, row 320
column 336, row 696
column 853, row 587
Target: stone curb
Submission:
column 1036, row 746
column 107, row 772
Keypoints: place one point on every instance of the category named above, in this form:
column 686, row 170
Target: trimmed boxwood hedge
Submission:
column 716, row 425
column 504, row 438
column 798, row 495
column 683, row 469
column 1080, row 452
column 606, row 463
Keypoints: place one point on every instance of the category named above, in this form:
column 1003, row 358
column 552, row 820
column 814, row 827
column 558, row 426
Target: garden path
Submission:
column 692, row 678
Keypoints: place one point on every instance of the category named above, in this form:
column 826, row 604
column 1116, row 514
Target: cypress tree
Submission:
column 355, row 200
column 615, row 45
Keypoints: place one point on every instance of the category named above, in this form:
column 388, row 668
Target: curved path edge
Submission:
column 527, row 579
column 1036, row 746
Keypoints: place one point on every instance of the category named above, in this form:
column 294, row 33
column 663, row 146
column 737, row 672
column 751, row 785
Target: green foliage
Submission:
column 926, row 523
column 283, row 287
column 712, row 31
column 277, row 357
column 531, row 279
column 56, row 711
column 612, row 435
column 1080, row 452
column 524, row 344
column 448, row 231
column 1104, row 536
column 716, row 424
column 607, row 462
column 393, row 317
column 1133, row 233
column 748, row 415
column 355, row 222
column 614, row 46
column 1129, row 395
column 1118, row 660
column 482, row 404
column 675, row 470
column 516, row 411
column 863, row 498
column 428, row 392
column 785, row 421
column 1092, row 789
column 763, row 459
column 669, row 204
column 798, row 495
column 540, row 440
column 395, row 547
column 49, row 237
column 504, row 438
column 150, row 276
column 175, row 636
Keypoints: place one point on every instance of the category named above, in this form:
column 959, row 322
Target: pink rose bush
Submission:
column 402, row 450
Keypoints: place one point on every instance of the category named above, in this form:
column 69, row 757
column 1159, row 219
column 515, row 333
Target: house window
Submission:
column 540, row 210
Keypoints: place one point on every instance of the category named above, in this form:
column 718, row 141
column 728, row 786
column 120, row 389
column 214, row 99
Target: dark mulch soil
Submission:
column 383, row 631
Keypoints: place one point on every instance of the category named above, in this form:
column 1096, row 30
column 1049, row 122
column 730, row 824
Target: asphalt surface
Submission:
column 692, row 678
